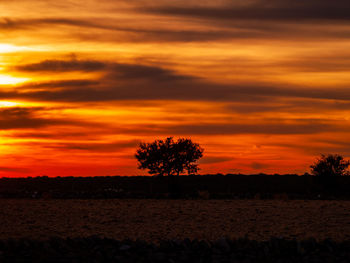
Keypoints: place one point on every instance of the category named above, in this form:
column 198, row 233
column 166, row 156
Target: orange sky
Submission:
column 262, row 85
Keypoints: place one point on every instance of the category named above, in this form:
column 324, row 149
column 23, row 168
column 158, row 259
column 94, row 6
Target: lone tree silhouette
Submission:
column 330, row 166
column 166, row 157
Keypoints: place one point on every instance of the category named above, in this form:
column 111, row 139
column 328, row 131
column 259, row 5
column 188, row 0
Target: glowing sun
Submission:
column 9, row 80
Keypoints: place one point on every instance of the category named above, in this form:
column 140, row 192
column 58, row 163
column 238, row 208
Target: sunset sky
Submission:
column 262, row 86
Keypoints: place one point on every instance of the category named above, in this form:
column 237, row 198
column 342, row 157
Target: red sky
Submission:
column 262, row 85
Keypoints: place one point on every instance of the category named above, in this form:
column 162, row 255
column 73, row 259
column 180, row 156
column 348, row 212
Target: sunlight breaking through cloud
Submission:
column 10, row 80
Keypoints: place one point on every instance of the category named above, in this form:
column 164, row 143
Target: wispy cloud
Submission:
column 281, row 10
column 136, row 81
column 31, row 118
column 14, row 170
column 62, row 66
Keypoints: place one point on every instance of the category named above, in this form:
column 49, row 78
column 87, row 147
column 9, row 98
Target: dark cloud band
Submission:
column 147, row 82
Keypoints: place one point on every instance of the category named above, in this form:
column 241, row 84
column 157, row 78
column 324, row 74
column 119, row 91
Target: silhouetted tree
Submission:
column 166, row 157
column 328, row 170
column 330, row 166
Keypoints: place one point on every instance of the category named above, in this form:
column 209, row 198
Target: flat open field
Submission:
column 152, row 220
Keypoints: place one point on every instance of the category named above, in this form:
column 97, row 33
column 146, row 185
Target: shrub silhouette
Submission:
column 330, row 166
column 166, row 157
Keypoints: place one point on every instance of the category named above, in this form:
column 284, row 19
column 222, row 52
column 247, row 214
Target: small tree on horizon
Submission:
column 166, row 157
column 330, row 166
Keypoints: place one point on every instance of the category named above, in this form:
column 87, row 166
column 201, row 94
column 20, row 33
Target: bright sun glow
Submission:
column 9, row 80
column 4, row 103
column 7, row 48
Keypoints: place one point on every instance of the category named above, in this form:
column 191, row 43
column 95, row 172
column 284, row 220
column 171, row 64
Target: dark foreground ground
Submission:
column 154, row 220
column 86, row 250
column 174, row 230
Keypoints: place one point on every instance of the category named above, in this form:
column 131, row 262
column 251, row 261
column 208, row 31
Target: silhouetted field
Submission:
column 153, row 220
column 203, row 187
column 68, row 229
column 93, row 249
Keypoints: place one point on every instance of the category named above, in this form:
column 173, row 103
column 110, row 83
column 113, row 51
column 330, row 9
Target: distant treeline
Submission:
column 230, row 186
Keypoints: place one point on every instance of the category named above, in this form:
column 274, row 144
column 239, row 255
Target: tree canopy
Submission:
column 167, row 157
column 330, row 165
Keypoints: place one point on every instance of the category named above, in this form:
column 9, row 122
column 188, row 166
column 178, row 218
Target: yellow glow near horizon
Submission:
column 4, row 103
column 8, row 48
column 10, row 80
